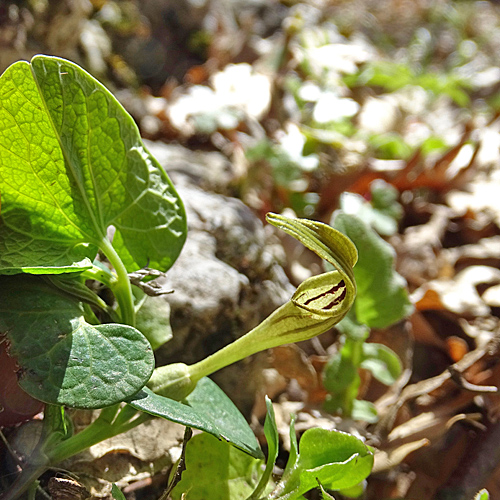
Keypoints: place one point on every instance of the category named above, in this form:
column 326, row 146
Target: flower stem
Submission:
column 286, row 325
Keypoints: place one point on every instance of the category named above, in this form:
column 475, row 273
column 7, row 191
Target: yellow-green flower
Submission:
column 318, row 303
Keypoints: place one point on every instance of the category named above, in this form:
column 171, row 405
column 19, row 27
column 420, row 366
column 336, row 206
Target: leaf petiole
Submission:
column 120, row 286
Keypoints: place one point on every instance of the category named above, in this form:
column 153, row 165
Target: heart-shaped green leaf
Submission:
column 69, row 362
column 208, row 409
column 72, row 163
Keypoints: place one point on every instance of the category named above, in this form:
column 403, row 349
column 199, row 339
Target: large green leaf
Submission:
column 208, row 409
column 63, row 359
column 72, row 163
column 216, row 471
column 382, row 296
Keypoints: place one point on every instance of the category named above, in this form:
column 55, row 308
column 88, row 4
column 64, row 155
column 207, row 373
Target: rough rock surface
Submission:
column 228, row 277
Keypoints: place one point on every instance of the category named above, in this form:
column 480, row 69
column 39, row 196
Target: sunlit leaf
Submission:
column 364, row 411
column 382, row 362
column 336, row 459
column 72, row 163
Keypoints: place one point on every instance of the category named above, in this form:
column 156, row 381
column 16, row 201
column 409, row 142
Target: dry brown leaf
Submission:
column 66, row 489
column 446, row 405
column 481, row 195
column 458, row 295
column 292, row 362
column 416, row 173
column 432, row 466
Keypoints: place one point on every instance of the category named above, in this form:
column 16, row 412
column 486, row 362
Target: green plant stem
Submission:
column 111, row 422
column 32, row 490
column 98, row 274
column 48, row 452
column 355, row 346
column 121, row 286
column 104, row 427
column 53, row 430
column 90, row 316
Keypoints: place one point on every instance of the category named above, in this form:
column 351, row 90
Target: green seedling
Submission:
column 381, row 213
column 84, row 202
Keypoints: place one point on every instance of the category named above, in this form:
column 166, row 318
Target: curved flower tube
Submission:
column 319, row 303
